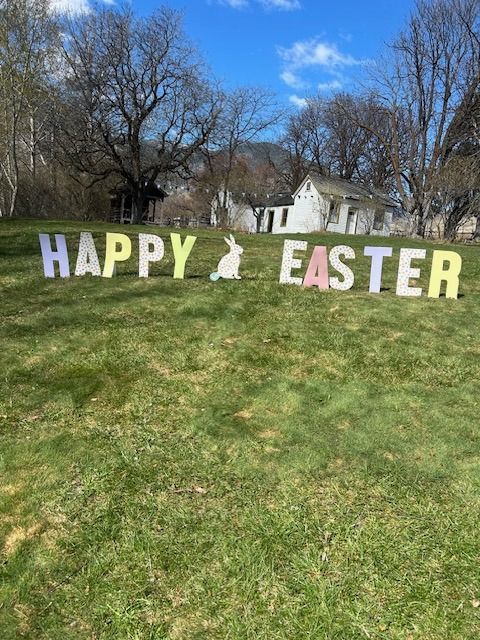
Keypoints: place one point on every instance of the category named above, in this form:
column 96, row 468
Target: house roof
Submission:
column 269, row 200
column 279, row 200
column 154, row 191
column 346, row 189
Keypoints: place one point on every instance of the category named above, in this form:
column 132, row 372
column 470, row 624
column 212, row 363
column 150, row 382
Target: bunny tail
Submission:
column 214, row 276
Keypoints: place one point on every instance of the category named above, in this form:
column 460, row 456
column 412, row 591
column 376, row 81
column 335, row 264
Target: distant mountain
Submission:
column 255, row 153
column 259, row 153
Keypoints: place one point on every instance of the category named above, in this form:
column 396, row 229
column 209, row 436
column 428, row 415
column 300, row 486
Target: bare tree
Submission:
column 253, row 186
column 432, row 75
column 367, row 218
column 247, row 112
column 296, row 144
column 324, row 206
column 458, row 180
column 326, row 138
column 28, row 44
column 346, row 144
column 139, row 104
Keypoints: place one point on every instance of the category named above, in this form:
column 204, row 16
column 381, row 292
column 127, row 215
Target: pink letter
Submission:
column 317, row 272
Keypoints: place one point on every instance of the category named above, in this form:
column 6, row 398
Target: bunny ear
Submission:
column 232, row 238
column 229, row 242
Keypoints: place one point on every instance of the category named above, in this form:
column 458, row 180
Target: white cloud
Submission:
column 235, row 4
column 70, row 6
column 298, row 102
column 285, row 5
column 292, row 80
column 309, row 53
column 315, row 57
column 282, row 5
column 74, row 6
column 329, row 86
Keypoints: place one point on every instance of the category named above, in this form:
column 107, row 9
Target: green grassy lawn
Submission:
column 190, row 460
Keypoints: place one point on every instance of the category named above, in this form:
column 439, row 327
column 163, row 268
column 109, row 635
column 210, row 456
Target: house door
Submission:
column 271, row 215
column 351, row 221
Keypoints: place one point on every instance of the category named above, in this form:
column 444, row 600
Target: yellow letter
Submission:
column 450, row 275
column 181, row 252
column 112, row 255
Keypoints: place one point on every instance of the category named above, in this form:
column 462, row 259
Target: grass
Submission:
column 190, row 460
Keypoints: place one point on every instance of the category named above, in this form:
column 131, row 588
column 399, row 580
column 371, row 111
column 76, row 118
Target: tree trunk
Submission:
column 222, row 217
column 138, row 200
column 13, row 200
column 450, row 230
column 420, row 224
column 33, row 149
column 259, row 219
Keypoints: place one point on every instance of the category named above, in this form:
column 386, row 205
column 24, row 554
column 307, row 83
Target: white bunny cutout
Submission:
column 229, row 265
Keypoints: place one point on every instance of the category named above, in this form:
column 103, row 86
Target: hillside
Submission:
column 184, row 459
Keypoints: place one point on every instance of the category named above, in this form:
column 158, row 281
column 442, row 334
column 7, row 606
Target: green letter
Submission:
column 181, row 252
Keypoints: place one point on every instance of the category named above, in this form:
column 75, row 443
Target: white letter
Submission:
column 405, row 272
column 289, row 262
column 145, row 256
column 338, row 265
column 87, row 259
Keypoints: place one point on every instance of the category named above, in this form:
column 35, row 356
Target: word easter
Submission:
column 317, row 270
column 118, row 248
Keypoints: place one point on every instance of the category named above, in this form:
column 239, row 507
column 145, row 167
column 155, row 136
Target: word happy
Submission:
column 446, row 267
column 118, row 248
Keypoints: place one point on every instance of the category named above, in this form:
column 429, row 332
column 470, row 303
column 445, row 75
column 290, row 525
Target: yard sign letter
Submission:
column 377, row 254
column 112, row 255
column 87, row 259
column 450, row 275
column 405, row 272
column 338, row 265
column 289, row 262
column 50, row 256
column 317, row 271
column 145, row 256
column 181, row 253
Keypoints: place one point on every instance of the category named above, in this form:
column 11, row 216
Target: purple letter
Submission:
column 49, row 256
column 377, row 254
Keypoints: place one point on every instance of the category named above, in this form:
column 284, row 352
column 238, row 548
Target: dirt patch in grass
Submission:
column 244, row 414
column 17, row 536
column 11, row 489
column 269, row 434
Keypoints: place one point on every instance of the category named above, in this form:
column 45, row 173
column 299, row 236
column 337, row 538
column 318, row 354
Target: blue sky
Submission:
column 294, row 47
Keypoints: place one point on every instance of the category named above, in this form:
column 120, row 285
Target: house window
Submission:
column 379, row 220
column 308, row 186
column 283, row 223
column 334, row 212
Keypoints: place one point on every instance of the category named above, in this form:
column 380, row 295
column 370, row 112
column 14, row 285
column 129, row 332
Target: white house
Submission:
column 243, row 212
column 334, row 204
column 319, row 203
